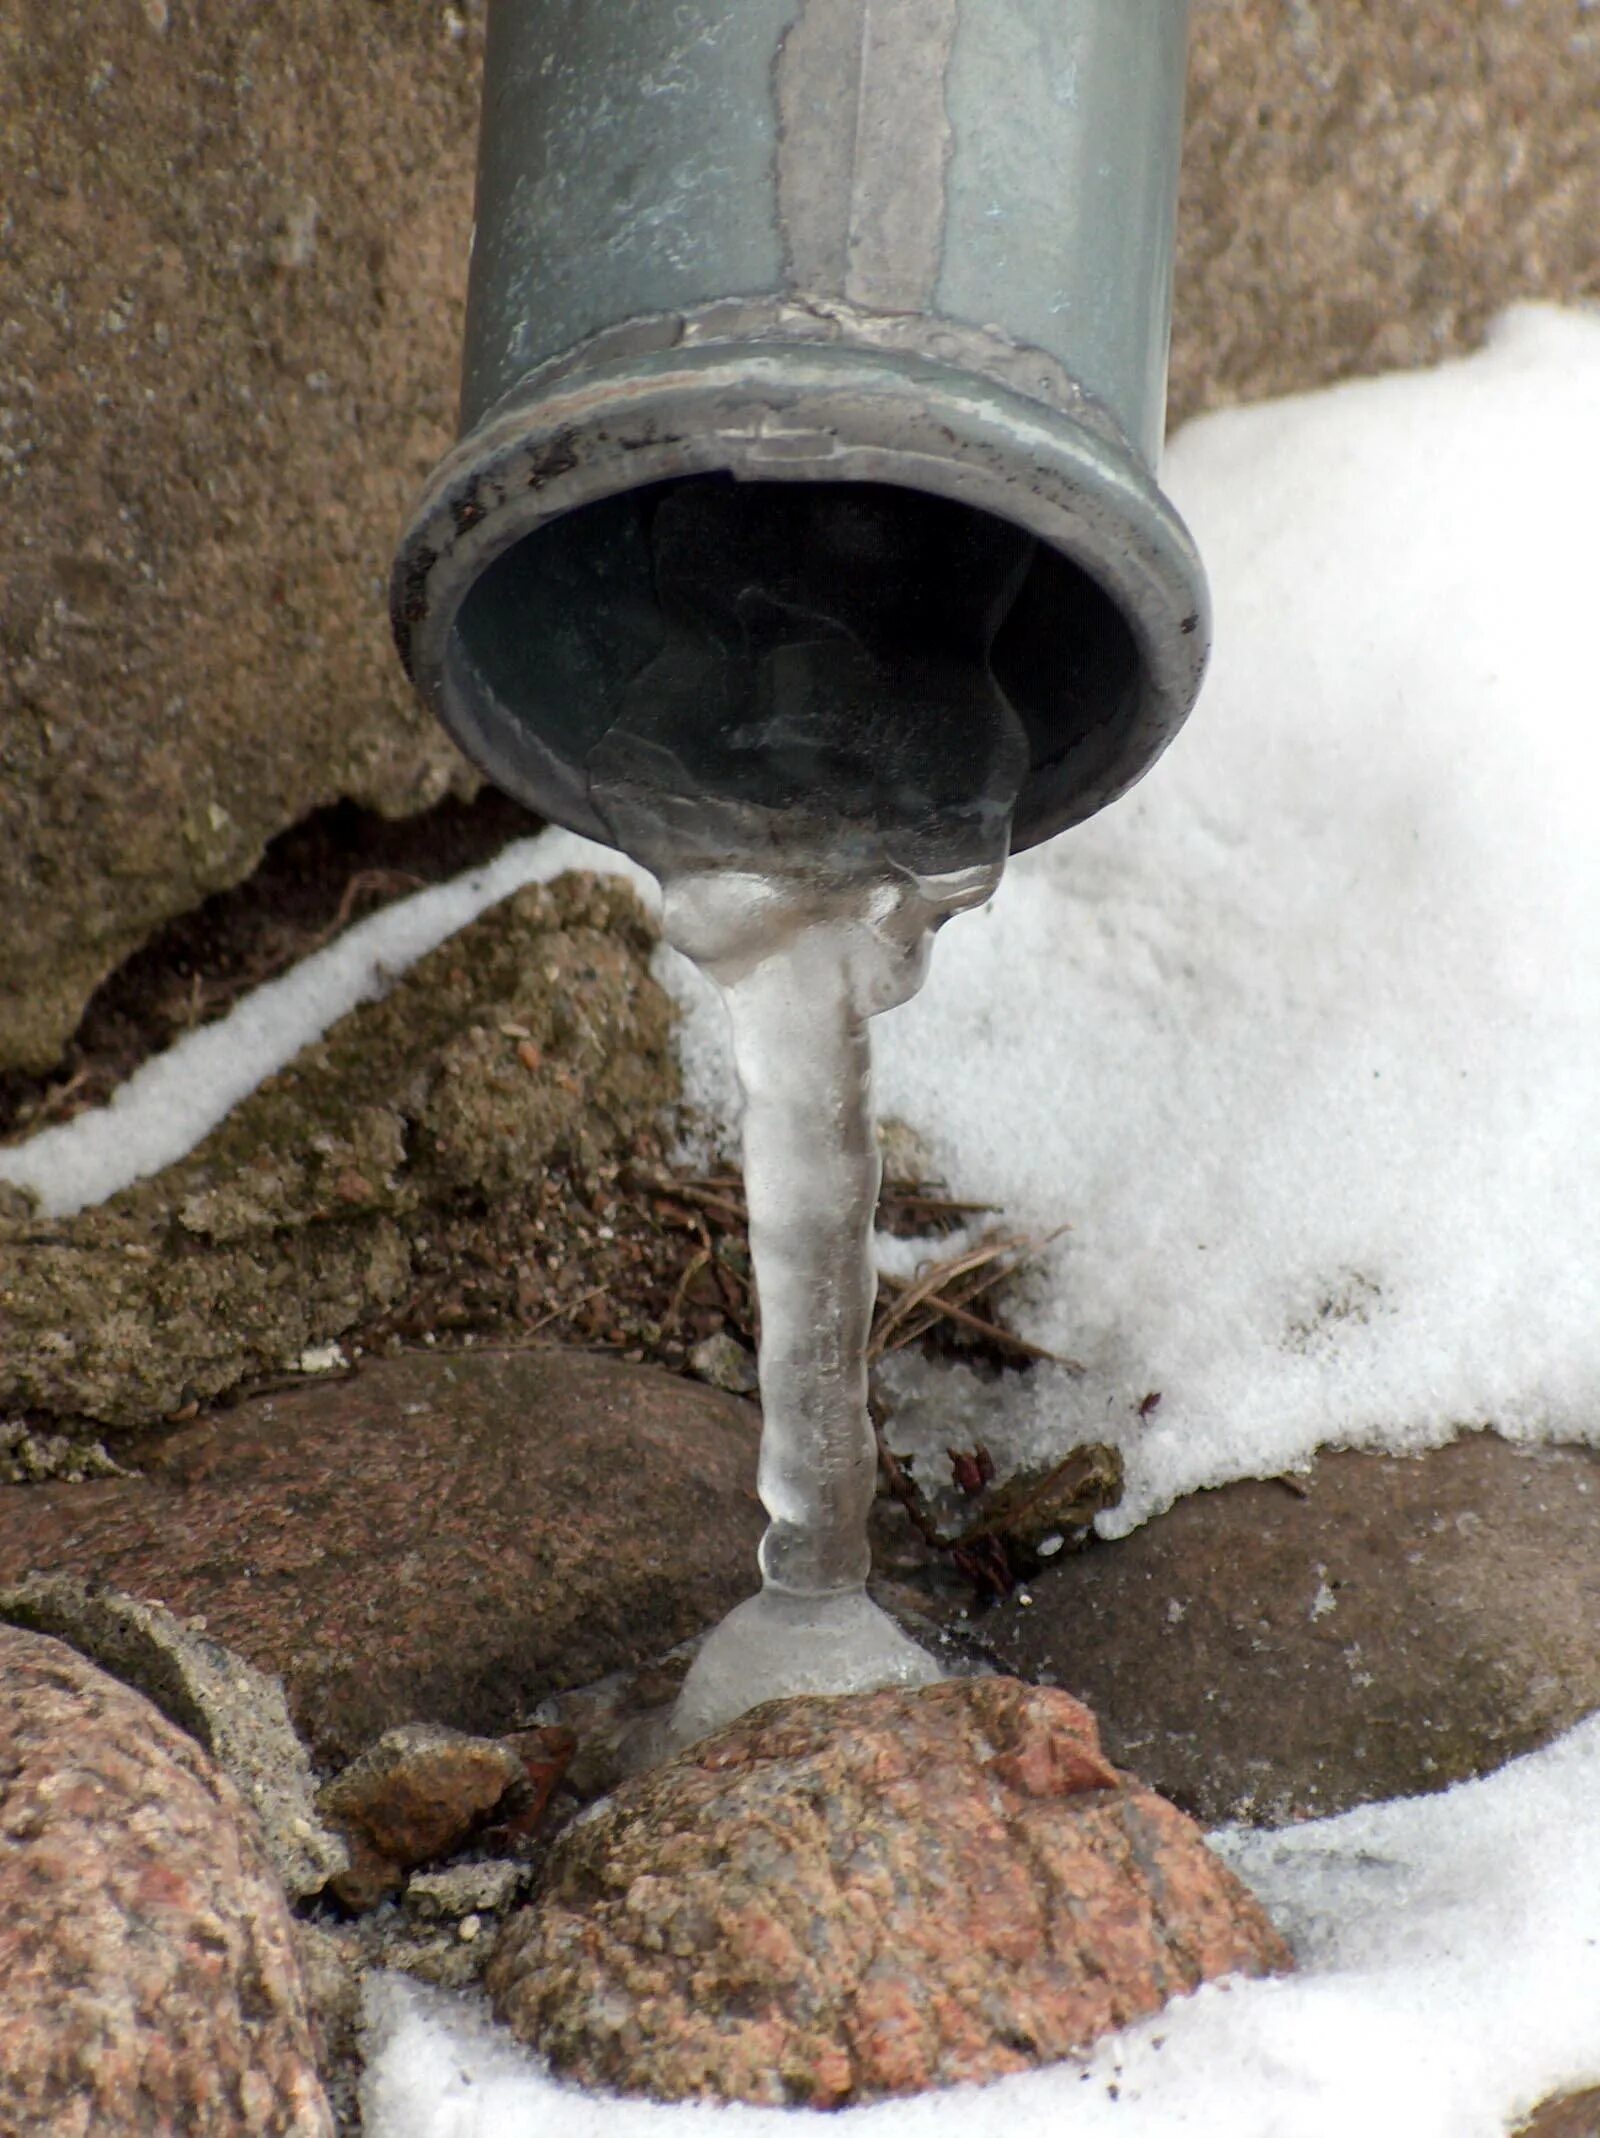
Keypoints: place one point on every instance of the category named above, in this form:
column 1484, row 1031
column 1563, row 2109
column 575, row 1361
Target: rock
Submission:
column 835, row 1900
column 413, row 1796
column 29, row 1458
column 307, row 1211
column 1567, row 2115
column 1365, row 187
column 235, row 1712
column 723, row 1362
column 331, row 1972
column 546, row 1752
column 146, row 1950
column 444, row 1537
column 1407, row 1623
column 464, row 1889
column 229, row 341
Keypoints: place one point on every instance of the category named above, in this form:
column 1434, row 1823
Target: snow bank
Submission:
column 1300, row 1038
column 1450, row 1957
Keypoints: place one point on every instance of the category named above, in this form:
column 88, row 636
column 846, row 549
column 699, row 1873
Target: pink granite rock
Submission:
column 835, row 1900
column 150, row 1982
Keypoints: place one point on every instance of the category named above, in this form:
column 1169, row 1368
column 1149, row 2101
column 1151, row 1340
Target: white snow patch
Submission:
column 1300, row 1038
column 322, row 1358
column 1449, row 1950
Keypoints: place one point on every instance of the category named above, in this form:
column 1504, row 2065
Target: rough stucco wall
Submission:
column 1367, row 182
column 231, row 265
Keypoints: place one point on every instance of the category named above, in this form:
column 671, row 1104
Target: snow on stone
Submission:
column 1449, row 1950
column 173, row 1100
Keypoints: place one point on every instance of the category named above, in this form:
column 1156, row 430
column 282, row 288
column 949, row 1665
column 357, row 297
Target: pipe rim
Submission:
column 766, row 412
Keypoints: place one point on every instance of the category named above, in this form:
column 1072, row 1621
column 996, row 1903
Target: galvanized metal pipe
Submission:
column 919, row 244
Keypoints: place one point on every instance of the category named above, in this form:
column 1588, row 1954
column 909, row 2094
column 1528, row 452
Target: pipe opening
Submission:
column 688, row 615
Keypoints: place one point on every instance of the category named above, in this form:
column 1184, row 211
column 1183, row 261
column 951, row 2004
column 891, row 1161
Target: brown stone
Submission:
column 445, row 1538
column 1567, row 2115
column 545, row 1753
column 410, row 1798
column 835, row 1900
column 237, row 1259
column 236, row 1712
column 146, row 1951
column 1390, row 1625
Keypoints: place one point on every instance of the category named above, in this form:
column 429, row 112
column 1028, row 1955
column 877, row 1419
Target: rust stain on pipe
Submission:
column 863, row 142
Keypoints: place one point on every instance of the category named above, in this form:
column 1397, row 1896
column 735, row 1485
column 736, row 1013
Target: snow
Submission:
column 1298, row 1041
column 1449, row 1950
column 1299, row 1038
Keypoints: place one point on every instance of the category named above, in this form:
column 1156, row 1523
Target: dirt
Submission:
column 482, row 1156
column 393, row 1180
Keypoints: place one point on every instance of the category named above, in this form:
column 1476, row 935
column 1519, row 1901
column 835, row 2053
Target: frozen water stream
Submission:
column 804, row 964
column 820, row 770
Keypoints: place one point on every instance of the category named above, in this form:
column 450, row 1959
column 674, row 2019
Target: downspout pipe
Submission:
column 920, row 245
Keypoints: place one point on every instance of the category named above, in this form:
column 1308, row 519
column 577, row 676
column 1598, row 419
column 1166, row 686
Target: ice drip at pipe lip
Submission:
column 820, row 767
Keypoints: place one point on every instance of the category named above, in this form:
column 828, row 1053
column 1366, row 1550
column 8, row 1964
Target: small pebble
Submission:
column 469, row 1926
column 723, row 1362
column 463, row 1889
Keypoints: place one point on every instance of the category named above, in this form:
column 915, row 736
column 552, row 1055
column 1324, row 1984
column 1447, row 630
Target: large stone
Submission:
column 146, row 1952
column 534, row 1035
column 1392, row 1625
column 229, row 331
column 1567, row 2115
column 439, row 1538
column 1365, row 187
column 236, row 1712
column 834, row 1900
